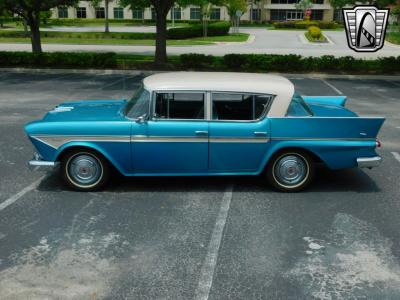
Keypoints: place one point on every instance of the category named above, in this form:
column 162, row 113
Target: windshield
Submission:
column 139, row 104
column 298, row 107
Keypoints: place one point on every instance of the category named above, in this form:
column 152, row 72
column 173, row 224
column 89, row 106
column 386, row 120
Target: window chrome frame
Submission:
column 153, row 105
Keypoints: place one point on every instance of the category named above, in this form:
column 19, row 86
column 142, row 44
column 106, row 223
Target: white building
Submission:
column 262, row 11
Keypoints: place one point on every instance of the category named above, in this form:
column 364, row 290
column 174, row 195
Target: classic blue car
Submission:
column 189, row 124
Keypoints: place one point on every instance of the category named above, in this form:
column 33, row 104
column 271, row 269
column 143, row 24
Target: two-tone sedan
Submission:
column 205, row 124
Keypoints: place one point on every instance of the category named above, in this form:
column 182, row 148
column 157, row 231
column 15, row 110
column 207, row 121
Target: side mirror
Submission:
column 142, row 119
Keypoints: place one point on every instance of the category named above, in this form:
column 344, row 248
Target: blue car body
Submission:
column 333, row 134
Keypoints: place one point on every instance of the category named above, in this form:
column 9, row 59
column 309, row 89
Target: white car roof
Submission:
column 279, row 86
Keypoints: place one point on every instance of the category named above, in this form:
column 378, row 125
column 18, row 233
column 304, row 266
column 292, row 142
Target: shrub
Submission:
column 315, row 32
column 305, row 24
column 213, row 29
column 193, row 60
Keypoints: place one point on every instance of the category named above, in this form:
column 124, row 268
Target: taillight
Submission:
column 378, row 143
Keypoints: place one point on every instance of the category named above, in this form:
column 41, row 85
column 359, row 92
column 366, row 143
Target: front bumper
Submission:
column 369, row 162
column 37, row 163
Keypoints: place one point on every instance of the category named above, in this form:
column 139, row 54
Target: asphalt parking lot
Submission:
column 195, row 238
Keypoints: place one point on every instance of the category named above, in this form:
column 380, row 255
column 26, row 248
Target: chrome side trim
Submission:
column 322, row 139
column 369, row 162
column 56, row 141
column 238, row 140
column 167, row 139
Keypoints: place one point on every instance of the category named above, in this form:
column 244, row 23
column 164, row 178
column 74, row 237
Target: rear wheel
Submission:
column 84, row 170
column 290, row 171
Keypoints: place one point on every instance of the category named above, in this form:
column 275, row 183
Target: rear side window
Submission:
column 239, row 107
column 189, row 106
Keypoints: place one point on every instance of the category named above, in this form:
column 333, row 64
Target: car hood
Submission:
column 325, row 110
column 90, row 110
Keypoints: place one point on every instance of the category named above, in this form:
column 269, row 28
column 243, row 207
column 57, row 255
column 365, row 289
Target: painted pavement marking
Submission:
column 208, row 268
column 396, row 156
column 332, row 86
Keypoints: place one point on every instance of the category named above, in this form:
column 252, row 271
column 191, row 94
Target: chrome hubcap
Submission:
column 290, row 170
column 84, row 169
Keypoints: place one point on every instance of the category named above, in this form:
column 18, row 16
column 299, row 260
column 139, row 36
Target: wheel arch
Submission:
column 278, row 150
column 70, row 147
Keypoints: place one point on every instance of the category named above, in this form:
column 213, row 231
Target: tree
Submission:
column 3, row 15
column 30, row 12
column 304, row 5
column 161, row 7
column 233, row 6
column 205, row 9
column 395, row 12
column 96, row 3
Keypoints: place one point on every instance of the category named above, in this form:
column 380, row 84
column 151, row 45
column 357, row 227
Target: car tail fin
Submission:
column 327, row 100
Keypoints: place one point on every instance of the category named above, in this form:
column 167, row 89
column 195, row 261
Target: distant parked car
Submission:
column 190, row 124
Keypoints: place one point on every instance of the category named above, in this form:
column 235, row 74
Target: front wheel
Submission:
column 290, row 171
column 84, row 170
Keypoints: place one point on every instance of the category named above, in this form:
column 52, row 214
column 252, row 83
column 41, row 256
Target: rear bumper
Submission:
column 369, row 162
column 37, row 163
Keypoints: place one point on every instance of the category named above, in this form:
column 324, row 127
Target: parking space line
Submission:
column 208, row 268
column 396, row 156
column 21, row 193
column 332, row 86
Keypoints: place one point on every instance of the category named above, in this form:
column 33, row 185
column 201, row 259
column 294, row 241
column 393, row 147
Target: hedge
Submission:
column 58, row 59
column 213, row 29
column 83, row 35
column 305, row 24
column 230, row 62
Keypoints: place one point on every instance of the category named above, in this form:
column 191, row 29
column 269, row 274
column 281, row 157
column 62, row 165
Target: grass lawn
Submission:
column 238, row 37
column 393, row 37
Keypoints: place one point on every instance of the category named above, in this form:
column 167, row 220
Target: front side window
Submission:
column 298, row 108
column 189, row 106
column 239, row 107
column 139, row 104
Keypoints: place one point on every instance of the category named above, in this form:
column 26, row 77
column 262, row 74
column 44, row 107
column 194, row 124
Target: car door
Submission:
column 176, row 135
column 238, row 132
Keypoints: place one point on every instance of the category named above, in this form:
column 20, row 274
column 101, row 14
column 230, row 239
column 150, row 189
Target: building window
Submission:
column 317, row 14
column 319, row 1
column 63, row 12
column 137, row 14
column 81, row 12
column 284, row 1
column 194, row 13
column 286, row 14
column 153, row 14
column 177, row 13
column 118, row 13
column 215, row 14
column 100, row 13
column 338, row 16
column 256, row 14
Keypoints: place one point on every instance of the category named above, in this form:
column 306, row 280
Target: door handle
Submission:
column 201, row 132
column 260, row 133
